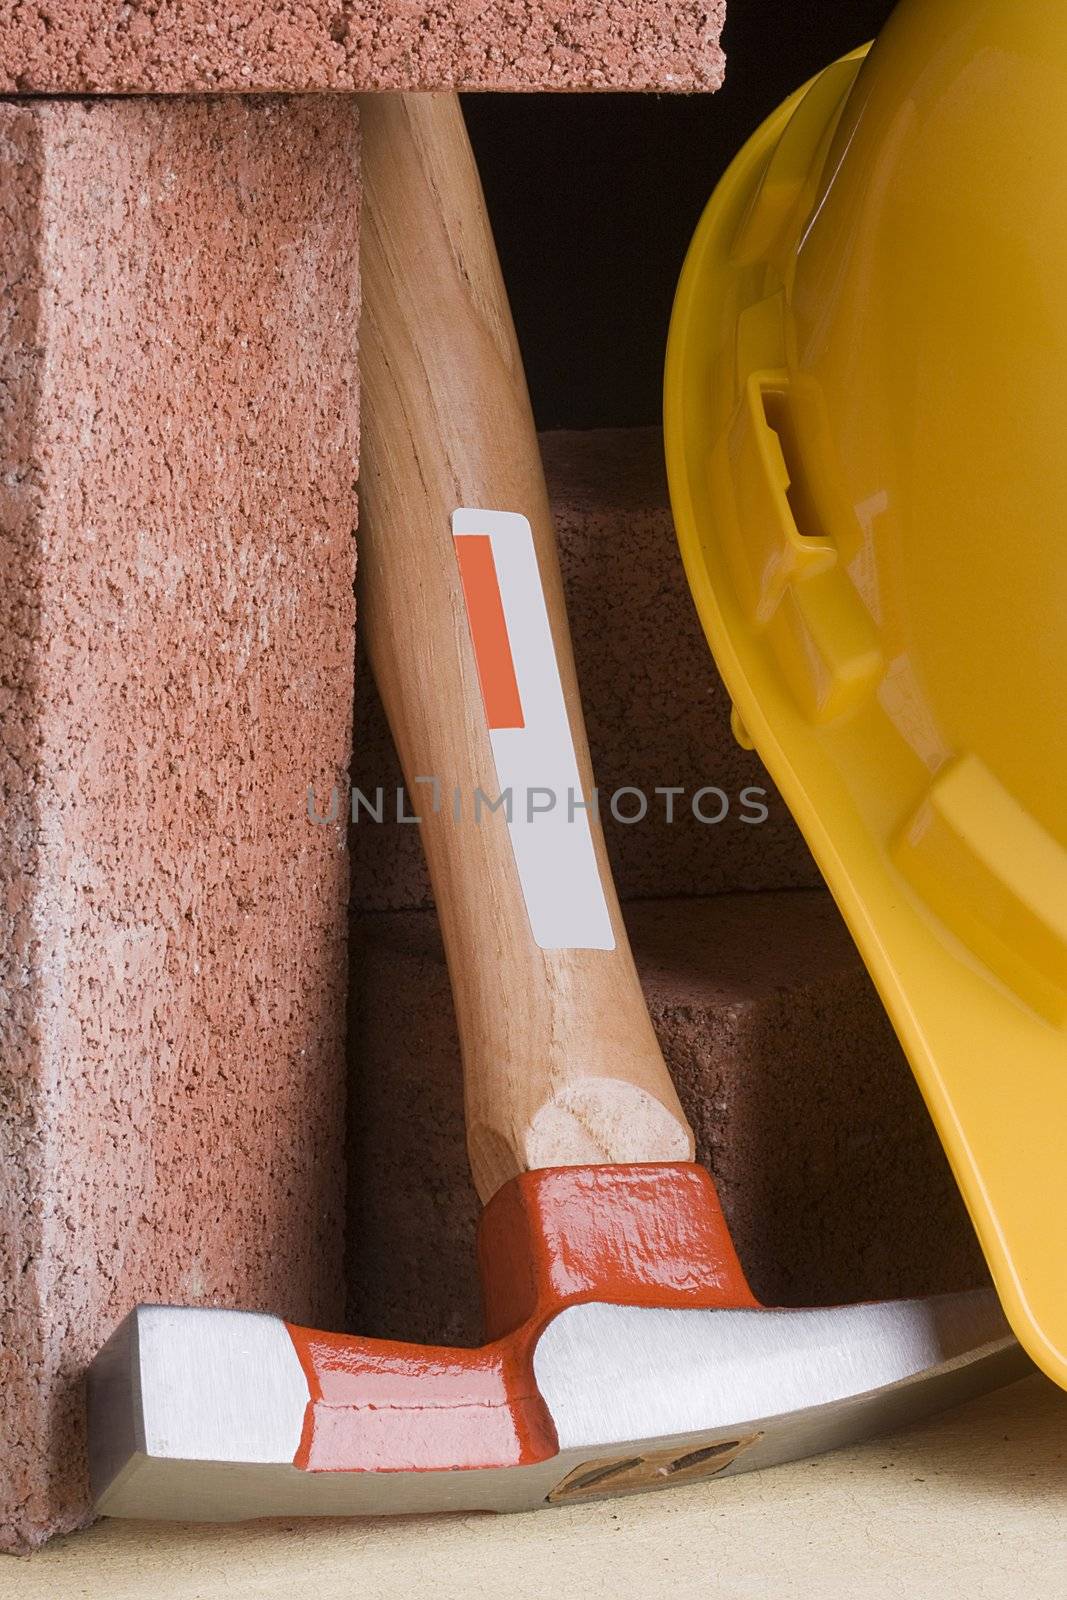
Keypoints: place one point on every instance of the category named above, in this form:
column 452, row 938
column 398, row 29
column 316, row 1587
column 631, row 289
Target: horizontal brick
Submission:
column 198, row 46
column 829, row 1170
column 656, row 710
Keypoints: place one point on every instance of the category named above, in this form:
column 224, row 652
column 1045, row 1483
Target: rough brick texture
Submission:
column 829, row 1170
column 177, row 455
column 655, row 708
column 193, row 46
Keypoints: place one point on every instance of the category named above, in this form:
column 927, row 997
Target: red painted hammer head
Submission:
column 626, row 1352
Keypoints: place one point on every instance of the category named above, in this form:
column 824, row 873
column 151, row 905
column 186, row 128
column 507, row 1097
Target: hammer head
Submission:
column 626, row 1353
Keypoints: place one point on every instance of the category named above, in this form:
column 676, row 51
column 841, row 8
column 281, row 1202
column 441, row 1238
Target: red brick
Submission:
column 197, row 46
column 655, row 707
column 828, row 1167
column 178, row 438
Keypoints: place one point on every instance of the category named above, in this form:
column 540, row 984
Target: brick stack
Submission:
column 178, row 434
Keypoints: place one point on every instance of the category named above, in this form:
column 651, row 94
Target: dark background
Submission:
column 594, row 199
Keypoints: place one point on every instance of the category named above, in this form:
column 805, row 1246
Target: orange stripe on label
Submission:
column 489, row 631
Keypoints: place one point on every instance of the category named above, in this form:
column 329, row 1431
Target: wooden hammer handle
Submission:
column 561, row 1065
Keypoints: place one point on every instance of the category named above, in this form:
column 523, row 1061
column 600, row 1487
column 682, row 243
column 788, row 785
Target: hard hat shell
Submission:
column 866, row 432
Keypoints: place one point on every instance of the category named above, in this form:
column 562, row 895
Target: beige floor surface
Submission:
column 970, row 1506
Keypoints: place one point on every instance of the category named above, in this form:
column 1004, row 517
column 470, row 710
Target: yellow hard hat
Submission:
column 866, row 430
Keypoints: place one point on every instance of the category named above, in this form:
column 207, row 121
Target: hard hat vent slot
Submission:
column 781, row 419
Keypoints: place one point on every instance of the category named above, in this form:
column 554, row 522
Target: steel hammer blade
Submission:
column 627, row 1353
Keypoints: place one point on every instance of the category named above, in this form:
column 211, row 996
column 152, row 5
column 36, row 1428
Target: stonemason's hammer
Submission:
column 625, row 1350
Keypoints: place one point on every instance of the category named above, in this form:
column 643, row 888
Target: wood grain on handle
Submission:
column 561, row 1065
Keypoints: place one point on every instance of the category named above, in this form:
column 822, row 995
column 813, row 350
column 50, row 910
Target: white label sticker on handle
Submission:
column 529, row 731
